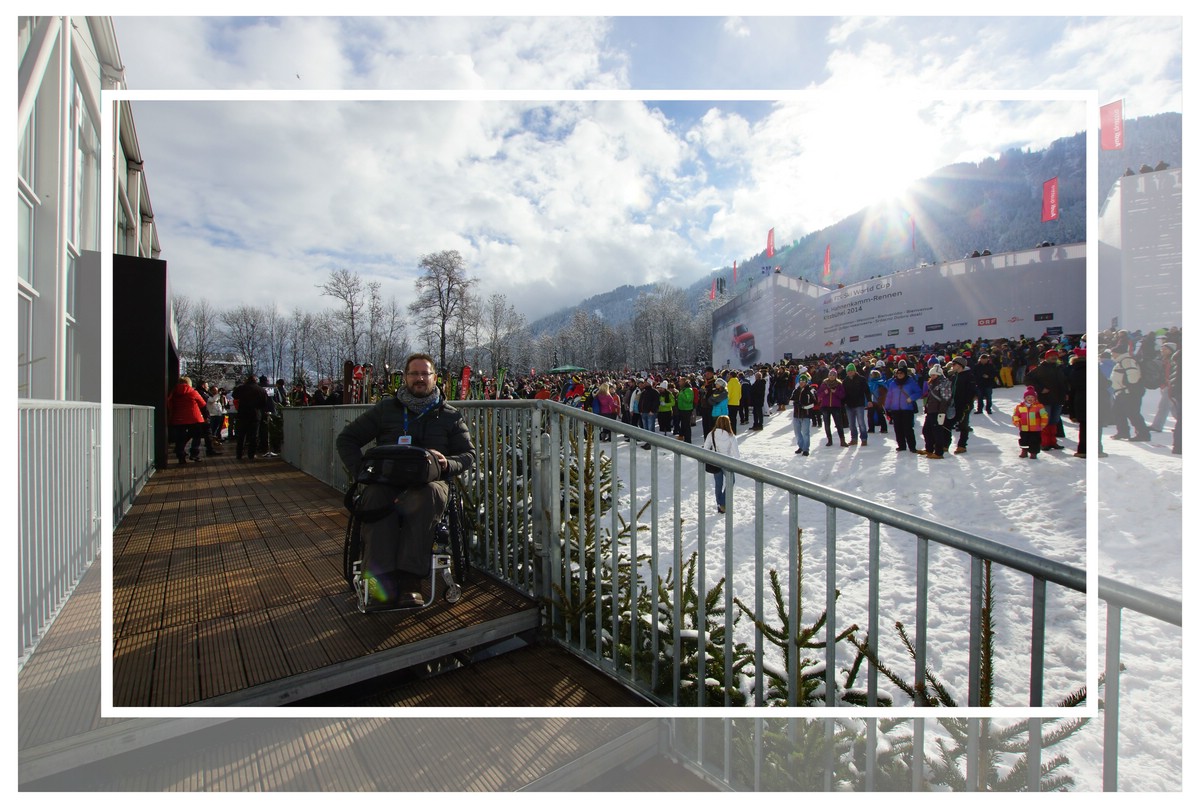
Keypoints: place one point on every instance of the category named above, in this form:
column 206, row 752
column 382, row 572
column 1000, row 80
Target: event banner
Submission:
column 1112, row 126
column 1028, row 293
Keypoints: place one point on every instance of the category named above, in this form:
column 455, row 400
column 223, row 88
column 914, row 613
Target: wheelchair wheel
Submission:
column 452, row 592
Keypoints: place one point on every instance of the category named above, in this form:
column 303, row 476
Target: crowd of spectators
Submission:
column 847, row 395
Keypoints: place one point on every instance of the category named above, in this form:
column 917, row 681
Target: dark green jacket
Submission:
column 441, row 428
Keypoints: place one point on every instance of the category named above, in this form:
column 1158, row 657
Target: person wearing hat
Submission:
column 804, row 412
column 1127, row 390
column 666, row 406
column 758, row 400
column 877, row 385
column 986, row 378
column 962, row 385
column 831, row 394
column 856, row 400
column 720, row 400
column 938, row 395
column 1050, row 384
column 707, row 392
column 1031, row 418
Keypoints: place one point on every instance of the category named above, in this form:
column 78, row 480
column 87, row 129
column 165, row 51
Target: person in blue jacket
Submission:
column 901, row 405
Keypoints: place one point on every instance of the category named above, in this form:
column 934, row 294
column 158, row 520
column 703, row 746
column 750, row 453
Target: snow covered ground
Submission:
column 1038, row 506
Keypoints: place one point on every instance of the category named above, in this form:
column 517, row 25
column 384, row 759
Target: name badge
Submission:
column 405, row 440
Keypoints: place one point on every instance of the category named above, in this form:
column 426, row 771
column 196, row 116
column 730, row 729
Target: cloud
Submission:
column 551, row 202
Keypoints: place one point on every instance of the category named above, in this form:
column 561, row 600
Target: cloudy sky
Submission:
column 667, row 146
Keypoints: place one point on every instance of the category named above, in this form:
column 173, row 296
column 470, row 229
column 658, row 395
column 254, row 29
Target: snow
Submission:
column 1035, row 505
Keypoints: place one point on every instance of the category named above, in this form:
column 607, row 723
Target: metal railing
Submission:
column 554, row 516
column 58, row 504
column 132, row 454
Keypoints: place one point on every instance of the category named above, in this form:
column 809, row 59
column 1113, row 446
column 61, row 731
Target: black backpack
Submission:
column 1152, row 374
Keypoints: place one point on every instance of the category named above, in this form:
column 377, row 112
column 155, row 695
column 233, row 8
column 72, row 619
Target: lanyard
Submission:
column 420, row 415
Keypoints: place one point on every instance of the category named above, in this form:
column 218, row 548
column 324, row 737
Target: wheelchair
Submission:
column 402, row 467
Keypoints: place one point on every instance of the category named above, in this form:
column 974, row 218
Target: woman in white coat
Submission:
column 723, row 441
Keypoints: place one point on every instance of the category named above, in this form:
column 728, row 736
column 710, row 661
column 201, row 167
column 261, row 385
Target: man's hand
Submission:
column 441, row 459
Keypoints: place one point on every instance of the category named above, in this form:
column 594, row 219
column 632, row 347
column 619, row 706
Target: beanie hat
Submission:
column 1170, row 345
column 958, row 360
column 1051, row 354
column 1029, row 391
column 935, row 370
column 832, row 373
column 850, row 367
column 804, row 378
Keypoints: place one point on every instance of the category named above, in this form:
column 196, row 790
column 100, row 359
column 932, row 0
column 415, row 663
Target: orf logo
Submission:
column 1016, row 319
column 987, row 321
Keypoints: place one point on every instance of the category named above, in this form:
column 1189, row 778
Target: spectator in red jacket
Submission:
column 185, row 417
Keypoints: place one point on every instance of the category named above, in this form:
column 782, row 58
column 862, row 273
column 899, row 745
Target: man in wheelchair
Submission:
column 397, row 549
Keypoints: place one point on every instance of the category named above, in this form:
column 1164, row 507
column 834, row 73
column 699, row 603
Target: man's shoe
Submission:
column 1024, row 453
column 805, row 453
column 864, row 441
column 409, row 600
column 853, row 442
column 798, row 451
column 829, row 441
column 843, row 443
column 1140, row 439
column 899, row 448
column 960, row 450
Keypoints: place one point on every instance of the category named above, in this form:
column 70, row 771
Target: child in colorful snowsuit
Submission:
column 1031, row 418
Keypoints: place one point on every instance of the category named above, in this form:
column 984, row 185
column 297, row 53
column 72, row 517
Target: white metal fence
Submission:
column 132, row 454
column 551, row 513
column 58, row 503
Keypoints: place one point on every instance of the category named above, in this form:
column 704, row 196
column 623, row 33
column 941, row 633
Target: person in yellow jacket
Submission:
column 1031, row 418
column 733, row 388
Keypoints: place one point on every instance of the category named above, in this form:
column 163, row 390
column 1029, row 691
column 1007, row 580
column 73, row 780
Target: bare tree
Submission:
column 300, row 333
column 501, row 325
column 347, row 287
column 244, row 329
column 181, row 310
column 276, row 337
column 443, row 292
column 204, row 338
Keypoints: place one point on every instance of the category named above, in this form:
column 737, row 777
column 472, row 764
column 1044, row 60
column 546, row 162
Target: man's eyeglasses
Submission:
column 418, row 374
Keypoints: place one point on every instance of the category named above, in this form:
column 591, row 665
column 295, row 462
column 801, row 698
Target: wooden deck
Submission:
column 227, row 590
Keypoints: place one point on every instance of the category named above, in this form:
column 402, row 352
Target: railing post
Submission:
column 543, row 526
column 1112, row 695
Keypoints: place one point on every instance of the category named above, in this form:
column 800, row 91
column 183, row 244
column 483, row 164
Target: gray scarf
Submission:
column 416, row 404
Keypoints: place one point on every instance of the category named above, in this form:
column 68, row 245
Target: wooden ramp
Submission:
column 228, row 590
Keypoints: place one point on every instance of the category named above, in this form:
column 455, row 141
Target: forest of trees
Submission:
column 444, row 318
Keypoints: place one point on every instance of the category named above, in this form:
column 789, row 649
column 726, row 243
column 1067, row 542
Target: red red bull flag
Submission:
column 771, row 243
column 712, row 293
column 1050, row 200
column 465, row 385
column 826, row 259
column 1112, row 126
